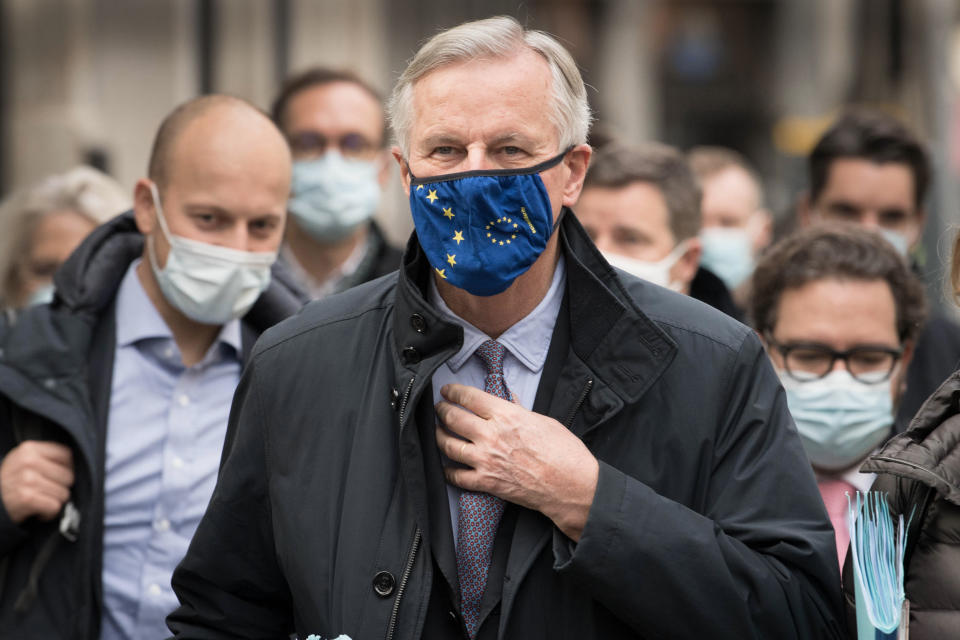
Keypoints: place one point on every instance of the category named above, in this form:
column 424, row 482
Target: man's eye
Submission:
column 893, row 217
column 512, row 151
column 443, row 151
column 205, row 220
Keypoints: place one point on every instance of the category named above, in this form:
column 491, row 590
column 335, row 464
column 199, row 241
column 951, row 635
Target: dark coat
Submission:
column 56, row 364
column 706, row 520
column 921, row 469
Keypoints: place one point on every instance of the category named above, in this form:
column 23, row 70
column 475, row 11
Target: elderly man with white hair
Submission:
column 508, row 438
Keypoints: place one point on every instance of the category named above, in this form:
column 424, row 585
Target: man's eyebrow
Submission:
column 509, row 137
column 440, row 140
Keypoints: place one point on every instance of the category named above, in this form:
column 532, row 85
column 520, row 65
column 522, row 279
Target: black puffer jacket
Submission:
column 920, row 469
column 56, row 364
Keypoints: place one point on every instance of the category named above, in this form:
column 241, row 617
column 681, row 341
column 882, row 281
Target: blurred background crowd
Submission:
column 86, row 81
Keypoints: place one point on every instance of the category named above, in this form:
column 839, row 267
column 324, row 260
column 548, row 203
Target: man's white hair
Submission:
column 498, row 37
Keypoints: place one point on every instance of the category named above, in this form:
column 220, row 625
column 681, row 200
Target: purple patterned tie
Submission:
column 479, row 513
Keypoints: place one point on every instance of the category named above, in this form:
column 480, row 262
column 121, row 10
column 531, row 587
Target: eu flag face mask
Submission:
column 480, row 230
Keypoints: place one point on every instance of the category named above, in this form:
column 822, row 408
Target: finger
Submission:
column 46, row 508
column 39, row 489
column 479, row 402
column 454, row 448
column 460, row 421
column 53, row 451
column 55, row 472
column 463, row 477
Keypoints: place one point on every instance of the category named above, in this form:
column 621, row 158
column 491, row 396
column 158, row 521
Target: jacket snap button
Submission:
column 411, row 355
column 418, row 323
column 394, row 398
column 383, row 583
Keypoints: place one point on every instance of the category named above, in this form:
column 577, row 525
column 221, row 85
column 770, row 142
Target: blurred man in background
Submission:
column 114, row 398
column 336, row 128
column 736, row 225
column 839, row 312
column 641, row 207
column 869, row 169
column 44, row 223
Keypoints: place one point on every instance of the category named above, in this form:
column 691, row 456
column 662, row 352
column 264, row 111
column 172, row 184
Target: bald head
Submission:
column 211, row 120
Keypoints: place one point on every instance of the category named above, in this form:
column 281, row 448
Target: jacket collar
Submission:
column 608, row 332
column 927, row 451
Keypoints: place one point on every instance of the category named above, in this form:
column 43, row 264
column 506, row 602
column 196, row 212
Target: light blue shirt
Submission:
column 527, row 343
column 165, row 434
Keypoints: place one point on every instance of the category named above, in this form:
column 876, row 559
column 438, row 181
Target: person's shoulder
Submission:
column 342, row 310
column 683, row 317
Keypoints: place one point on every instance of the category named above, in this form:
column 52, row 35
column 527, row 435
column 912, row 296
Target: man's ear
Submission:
column 144, row 210
column 762, row 230
column 577, row 161
column 917, row 233
column 685, row 270
column 404, row 169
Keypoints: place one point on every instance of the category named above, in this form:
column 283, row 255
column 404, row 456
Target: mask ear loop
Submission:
column 151, row 241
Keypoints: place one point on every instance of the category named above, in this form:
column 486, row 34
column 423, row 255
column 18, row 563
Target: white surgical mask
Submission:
column 41, row 295
column 207, row 283
column 331, row 195
column 840, row 419
column 897, row 239
column 657, row 272
column 728, row 253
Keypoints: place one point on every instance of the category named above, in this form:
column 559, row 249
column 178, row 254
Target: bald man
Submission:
column 114, row 398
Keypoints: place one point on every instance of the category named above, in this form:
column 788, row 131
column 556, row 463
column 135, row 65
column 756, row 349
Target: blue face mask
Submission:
column 480, row 230
column 898, row 240
column 840, row 419
column 331, row 196
column 728, row 253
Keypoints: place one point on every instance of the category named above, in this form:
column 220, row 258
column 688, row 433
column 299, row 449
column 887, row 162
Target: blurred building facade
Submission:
column 89, row 80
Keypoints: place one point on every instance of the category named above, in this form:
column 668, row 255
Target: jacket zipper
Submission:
column 403, row 585
column 406, row 397
column 583, row 396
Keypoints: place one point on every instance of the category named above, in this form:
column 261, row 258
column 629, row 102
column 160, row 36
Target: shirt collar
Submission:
column 138, row 319
column 528, row 340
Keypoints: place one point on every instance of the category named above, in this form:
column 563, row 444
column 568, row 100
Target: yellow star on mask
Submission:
column 440, row 272
column 458, row 236
column 432, row 196
column 419, row 187
column 451, row 259
column 448, row 212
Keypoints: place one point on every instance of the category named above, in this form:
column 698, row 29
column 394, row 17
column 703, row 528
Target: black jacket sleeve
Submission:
column 229, row 583
column 759, row 562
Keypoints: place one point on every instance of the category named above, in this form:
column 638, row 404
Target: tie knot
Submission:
column 491, row 352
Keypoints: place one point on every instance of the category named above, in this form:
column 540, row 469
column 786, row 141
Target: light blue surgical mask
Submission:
column 41, row 295
column 331, row 196
column 898, row 240
column 728, row 253
column 840, row 420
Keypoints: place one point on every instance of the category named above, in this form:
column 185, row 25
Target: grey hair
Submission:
column 497, row 37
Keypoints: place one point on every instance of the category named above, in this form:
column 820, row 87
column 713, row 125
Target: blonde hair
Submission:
column 83, row 189
column 497, row 37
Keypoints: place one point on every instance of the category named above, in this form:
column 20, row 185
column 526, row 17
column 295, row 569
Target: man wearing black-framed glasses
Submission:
column 838, row 310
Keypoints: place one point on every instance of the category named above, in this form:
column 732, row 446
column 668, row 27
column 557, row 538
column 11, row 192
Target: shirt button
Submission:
column 177, row 462
column 168, row 352
column 162, row 525
column 155, row 589
column 184, row 400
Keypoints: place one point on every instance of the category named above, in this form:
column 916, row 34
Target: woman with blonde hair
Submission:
column 41, row 225
column 919, row 470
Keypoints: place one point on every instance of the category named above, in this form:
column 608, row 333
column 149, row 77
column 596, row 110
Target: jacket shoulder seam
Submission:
column 320, row 323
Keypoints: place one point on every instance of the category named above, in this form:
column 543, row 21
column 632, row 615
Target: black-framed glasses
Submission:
column 310, row 144
column 804, row 361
